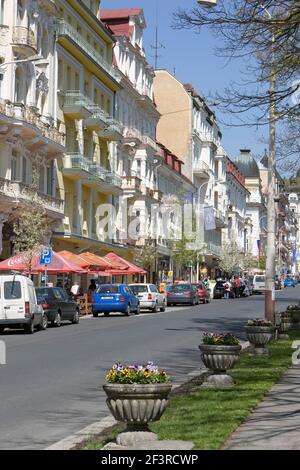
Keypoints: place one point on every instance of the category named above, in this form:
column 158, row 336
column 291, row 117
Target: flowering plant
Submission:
column 136, row 374
column 259, row 322
column 293, row 307
column 220, row 339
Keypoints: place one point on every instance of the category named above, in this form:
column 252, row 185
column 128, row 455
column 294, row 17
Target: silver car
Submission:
column 149, row 296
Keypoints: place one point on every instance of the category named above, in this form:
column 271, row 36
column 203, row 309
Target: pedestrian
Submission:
column 91, row 290
column 238, row 285
column 227, row 288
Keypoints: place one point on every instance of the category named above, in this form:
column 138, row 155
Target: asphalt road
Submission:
column 51, row 384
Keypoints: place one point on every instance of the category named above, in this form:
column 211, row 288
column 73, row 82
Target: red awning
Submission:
column 59, row 264
column 130, row 267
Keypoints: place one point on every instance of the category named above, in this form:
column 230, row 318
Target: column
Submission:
column 3, row 219
column 91, row 215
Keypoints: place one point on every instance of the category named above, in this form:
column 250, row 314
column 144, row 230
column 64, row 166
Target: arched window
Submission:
column 19, row 77
column 45, row 44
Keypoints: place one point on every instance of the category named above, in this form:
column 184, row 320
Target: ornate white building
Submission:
column 135, row 158
column 30, row 143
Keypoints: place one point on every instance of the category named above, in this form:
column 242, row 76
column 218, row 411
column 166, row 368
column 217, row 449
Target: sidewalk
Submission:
column 275, row 423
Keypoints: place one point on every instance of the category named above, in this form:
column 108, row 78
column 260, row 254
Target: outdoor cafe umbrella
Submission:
column 58, row 264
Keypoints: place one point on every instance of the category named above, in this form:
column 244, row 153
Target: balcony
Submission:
column 24, row 41
column 64, row 32
column 221, row 220
column 131, row 183
column 113, row 131
column 158, row 194
column 77, row 166
column 201, row 170
column 149, row 142
column 212, row 249
column 131, row 136
column 35, row 129
column 97, row 120
column 76, row 105
column 16, row 192
column 49, row 6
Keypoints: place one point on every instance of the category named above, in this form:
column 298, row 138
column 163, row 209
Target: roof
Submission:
column 121, row 29
column 246, row 164
column 125, row 13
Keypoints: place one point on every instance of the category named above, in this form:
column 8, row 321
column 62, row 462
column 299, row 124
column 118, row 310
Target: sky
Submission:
column 191, row 56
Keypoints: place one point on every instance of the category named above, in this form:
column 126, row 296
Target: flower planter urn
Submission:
column 219, row 359
column 137, row 404
column 259, row 337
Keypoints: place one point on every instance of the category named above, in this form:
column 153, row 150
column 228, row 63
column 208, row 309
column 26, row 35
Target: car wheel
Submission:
column 44, row 324
column 95, row 314
column 1, row 330
column 127, row 311
column 29, row 329
column 169, row 304
column 163, row 308
column 106, row 314
column 75, row 320
column 57, row 320
column 138, row 310
column 155, row 309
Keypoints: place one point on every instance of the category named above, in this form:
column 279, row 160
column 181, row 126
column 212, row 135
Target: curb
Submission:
column 96, row 428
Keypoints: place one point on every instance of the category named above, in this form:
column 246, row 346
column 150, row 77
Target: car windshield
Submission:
column 198, row 286
column 108, row 290
column 181, row 288
column 260, row 279
column 43, row 294
column 139, row 289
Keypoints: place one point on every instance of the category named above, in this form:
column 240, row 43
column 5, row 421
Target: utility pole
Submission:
column 271, row 208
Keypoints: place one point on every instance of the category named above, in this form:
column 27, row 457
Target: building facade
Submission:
column 256, row 210
column 136, row 160
column 31, row 143
column 189, row 129
column 85, row 112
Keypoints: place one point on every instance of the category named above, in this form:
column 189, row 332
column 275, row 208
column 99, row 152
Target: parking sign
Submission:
column 46, row 256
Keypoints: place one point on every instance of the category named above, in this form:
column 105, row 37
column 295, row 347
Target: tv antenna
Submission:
column 158, row 46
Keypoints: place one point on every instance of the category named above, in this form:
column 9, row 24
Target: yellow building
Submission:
column 86, row 86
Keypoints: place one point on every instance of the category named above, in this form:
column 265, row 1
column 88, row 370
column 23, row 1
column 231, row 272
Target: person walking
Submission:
column 91, row 290
column 227, row 287
column 238, row 285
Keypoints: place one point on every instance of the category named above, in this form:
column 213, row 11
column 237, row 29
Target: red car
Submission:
column 203, row 293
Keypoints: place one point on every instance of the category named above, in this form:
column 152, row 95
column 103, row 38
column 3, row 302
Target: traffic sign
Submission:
column 46, row 256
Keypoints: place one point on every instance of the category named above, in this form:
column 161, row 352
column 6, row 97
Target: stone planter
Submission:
column 259, row 337
column 219, row 359
column 294, row 315
column 137, row 404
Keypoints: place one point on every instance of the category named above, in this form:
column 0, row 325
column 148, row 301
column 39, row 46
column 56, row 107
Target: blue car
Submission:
column 290, row 282
column 115, row 298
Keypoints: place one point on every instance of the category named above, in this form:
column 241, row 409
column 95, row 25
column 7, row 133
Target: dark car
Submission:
column 57, row 305
column 182, row 294
column 219, row 290
column 203, row 292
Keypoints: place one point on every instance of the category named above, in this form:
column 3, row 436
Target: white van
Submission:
column 259, row 283
column 18, row 304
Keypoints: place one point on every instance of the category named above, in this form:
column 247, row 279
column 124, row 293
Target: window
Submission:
column 14, row 167
column 20, row 11
column 2, row 12
column 12, row 290
column 108, row 290
column 24, row 170
column 49, row 180
column 57, row 294
column 153, row 289
column 41, row 178
column 139, row 289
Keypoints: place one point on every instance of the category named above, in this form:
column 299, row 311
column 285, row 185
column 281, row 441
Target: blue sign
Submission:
column 46, row 256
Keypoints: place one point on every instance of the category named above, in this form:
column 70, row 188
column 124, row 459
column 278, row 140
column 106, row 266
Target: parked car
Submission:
column 115, row 298
column 219, row 290
column 57, row 305
column 182, row 294
column 259, row 283
column 149, row 296
column 18, row 304
column 203, row 293
column 290, row 282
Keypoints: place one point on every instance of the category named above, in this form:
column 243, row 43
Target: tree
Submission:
column 145, row 255
column 185, row 257
column 32, row 227
column 248, row 261
column 265, row 33
column 230, row 259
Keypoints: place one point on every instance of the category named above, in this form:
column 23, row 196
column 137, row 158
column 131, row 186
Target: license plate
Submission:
column 178, row 294
column 107, row 298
